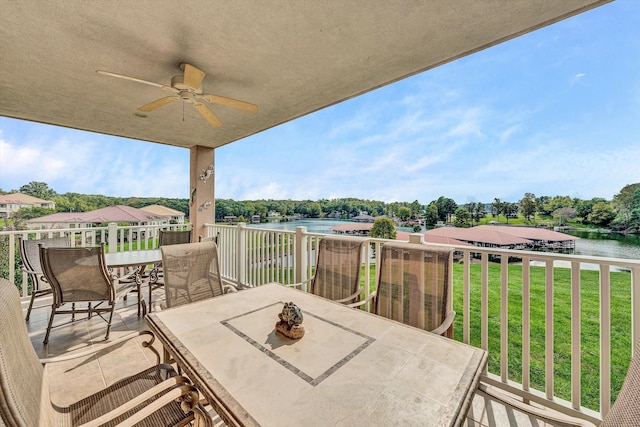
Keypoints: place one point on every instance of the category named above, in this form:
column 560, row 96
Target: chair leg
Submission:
column 33, row 297
column 150, row 289
column 46, row 336
column 113, row 308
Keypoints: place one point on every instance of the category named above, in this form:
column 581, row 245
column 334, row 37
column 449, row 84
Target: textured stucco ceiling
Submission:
column 290, row 57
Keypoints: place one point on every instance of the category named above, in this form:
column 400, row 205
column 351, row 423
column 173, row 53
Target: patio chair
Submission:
column 191, row 273
column 624, row 412
column 152, row 397
column 414, row 286
column 30, row 253
column 337, row 269
column 79, row 275
column 166, row 238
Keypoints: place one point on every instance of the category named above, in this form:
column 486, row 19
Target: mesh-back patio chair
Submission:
column 337, row 269
column 166, row 238
column 153, row 395
column 79, row 275
column 414, row 286
column 30, row 253
column 191, row 273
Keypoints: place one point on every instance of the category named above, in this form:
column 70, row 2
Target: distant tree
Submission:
column 497, row 208
column 416, row 209
column 557, row 202
column 601, row 214
column 625, row 198
column 540, row 202
column 528, row 206
column 509, row 209
column 584, row 207
column 34, row 212
column 476, row 211
column 40, row 190
column 431, row 217
column 462, row 217
column 417, row 228
column 404, row 213
column 446, row 208
column 383, row 228
column 623, row 205
column 563, row 215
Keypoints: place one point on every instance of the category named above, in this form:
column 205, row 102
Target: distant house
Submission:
column 90, row 219
column 364, row 217
column 174, row 216
column 11, row 203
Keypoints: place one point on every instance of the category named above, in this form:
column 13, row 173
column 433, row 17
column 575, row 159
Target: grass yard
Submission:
column 589, row 329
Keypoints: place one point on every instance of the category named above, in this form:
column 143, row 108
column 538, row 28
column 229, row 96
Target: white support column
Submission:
column 202, row 206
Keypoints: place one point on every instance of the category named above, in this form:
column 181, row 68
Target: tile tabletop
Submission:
column 350, row 367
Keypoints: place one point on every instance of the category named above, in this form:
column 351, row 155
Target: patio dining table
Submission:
column 350, row 367
column 138, row 260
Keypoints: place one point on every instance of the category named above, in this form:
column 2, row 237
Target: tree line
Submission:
column 622, row 213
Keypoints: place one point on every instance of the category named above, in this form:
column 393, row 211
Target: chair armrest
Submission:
column 350, row 297
column 74, row 355
column 26, row 270
column 546, row 414
column 296, row 285
column 229, row 288
column 173, row 388
column 364, row 301
column 446, row 324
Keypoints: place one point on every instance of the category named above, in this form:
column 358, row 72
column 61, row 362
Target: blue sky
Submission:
column 554, row 112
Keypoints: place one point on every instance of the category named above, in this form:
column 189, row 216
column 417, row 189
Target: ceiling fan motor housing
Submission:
column 177, row 82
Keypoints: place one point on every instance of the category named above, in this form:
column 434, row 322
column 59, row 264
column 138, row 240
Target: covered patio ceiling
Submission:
column 289, row 57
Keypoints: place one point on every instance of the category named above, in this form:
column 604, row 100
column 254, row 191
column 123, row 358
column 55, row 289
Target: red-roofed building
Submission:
column 126, row 214
column 506, row 237
column 10, row 203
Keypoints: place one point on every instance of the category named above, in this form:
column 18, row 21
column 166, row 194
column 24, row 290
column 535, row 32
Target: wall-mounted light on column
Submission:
column 204, row 206
column 206, row 174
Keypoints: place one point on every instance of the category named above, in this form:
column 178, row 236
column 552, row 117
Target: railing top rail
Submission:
column 517, row 253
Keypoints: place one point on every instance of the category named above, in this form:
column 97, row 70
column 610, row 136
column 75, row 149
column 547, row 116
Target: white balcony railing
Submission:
column 558, row 327
column 562, row 300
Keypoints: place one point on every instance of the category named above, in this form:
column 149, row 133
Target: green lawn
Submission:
column 590, row 326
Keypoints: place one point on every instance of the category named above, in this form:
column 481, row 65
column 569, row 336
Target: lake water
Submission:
column 589, row 243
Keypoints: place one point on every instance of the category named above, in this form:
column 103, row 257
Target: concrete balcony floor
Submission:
column 75, row 379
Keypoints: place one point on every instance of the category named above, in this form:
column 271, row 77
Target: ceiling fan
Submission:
column 188, row 89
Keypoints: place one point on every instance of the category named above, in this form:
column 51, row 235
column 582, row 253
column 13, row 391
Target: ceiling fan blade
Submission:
column 230, row 102
column 192, row 76
column 157, row 103
column 133, row 79
column 208, row 114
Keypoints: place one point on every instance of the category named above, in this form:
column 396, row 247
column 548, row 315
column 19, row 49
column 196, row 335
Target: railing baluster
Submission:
column 526, row 323
column 504, row 318
column 484, row 311
column 575, row 336
column 466, row 266
column 549, row 329
column 605, row 340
